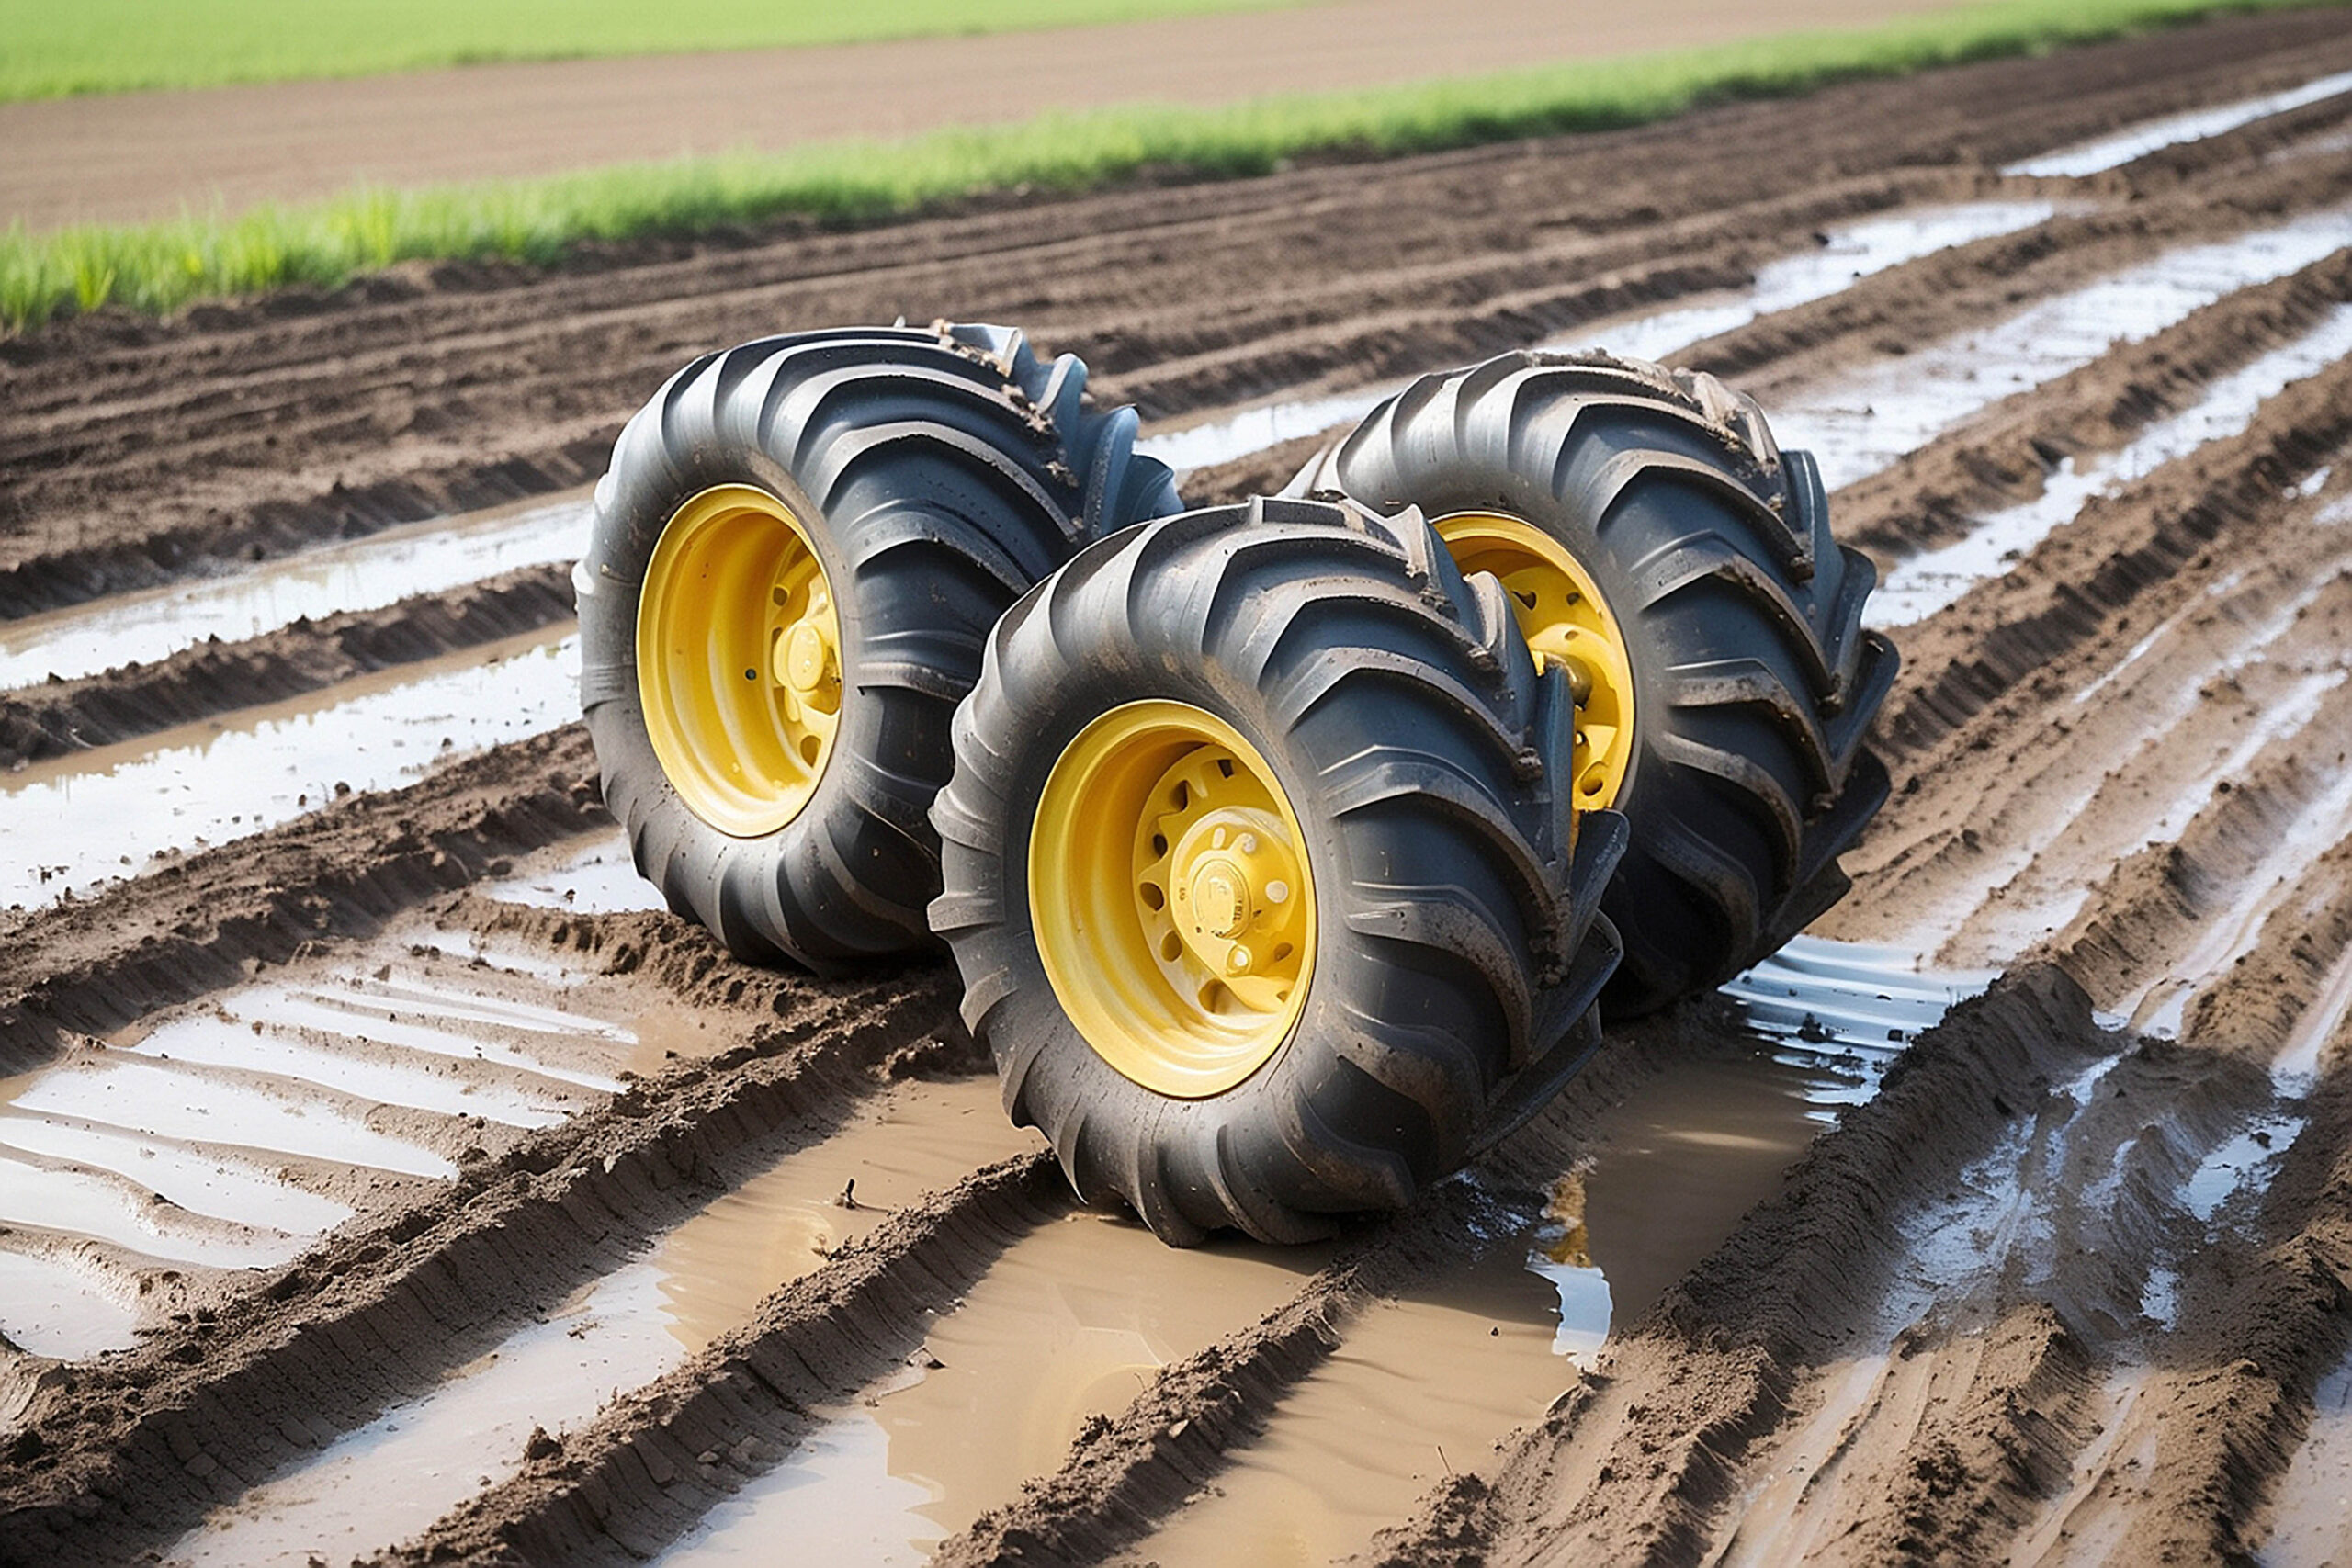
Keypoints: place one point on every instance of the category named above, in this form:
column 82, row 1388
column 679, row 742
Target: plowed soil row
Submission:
column 134, row 452
column 2021, row 1303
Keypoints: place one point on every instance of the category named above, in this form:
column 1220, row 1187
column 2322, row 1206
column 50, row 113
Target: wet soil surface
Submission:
column 383, row 1171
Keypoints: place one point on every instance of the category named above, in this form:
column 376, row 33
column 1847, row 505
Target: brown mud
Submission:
column 2068, row 1278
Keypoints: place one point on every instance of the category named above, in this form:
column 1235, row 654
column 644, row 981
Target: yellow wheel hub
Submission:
column 1566, row 622
column 1172, row 898
column 739, row 660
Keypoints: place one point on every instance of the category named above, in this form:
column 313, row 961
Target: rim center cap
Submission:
column 804, row 656
column 1221, row 896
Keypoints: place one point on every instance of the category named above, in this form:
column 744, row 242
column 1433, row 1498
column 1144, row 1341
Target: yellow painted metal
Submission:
column 1564, row 619
column 1171, row 897
column 739, row 660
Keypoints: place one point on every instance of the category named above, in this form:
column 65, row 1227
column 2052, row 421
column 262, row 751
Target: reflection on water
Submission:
column 1071, row 1323
column 364, row 574
column 1430, row 1382
column 386, row 1481
column 94, row 817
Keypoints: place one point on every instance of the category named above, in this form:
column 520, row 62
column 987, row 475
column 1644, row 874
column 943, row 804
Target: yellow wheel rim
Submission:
column 739, row 660
column 1171, row 897
column 1566, row 620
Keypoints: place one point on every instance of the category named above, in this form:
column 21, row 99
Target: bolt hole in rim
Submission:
column 1171, row 897
column 739, row 660
column 1566, row 621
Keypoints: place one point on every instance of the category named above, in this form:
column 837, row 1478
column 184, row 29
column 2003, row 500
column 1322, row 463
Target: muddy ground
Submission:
column 382, row 1177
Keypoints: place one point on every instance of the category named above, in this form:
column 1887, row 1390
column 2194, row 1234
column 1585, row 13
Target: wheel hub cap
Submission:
column 1234, row 871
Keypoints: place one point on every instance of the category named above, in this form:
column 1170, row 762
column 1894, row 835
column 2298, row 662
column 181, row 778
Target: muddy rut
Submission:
column 385, row 1176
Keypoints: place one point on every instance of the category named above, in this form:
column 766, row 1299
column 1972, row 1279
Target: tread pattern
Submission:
column 941, row 471
column 1754, row 682
column 1416, row 741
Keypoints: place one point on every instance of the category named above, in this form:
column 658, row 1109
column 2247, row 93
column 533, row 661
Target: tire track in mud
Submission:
column 1987, row 666
column 211, row 919
column 132, row 1450
column 2006, row 456
column 1944, row 1504
column 618, row 1490
column 1758, row 1386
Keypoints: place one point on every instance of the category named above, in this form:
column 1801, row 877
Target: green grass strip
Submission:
column 51, row 49
column 160, row 266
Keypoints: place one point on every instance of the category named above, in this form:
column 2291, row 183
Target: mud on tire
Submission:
column 1753, row 681
column 1457, row 951
column 937, row 474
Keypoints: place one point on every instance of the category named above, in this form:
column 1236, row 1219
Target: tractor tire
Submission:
column 1294, row 727
column 842, row 516
column 1738, row 619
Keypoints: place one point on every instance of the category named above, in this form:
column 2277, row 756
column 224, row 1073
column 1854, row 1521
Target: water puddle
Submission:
column 363, row 574
column 100, row 816
column 50, row 1306
column 1682, row 1160
column 1921, row 586
column 1848, row 255
column 2156, row 135
column 1430, row 1382
column 162, row 1099
column 230, row 1133
column 2311, row 1513
column 1419, row 1387
column 1850, row 252
column 1073, row 1323
column 2238, row 1163
column 125, row 1214
column 1858, row 424
column 599, row 879
column 384, row 1481
column 197, row 1183
column 390, row 1064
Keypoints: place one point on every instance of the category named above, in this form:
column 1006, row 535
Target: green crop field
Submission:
column 49, row 49
column 162, row 265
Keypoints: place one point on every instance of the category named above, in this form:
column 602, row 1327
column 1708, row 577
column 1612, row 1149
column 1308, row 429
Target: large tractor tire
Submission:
column 796, row 558
column 1657, row 543
column 1268, row 901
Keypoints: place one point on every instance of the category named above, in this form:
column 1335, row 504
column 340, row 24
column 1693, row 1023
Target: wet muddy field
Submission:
column 385, row 1175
